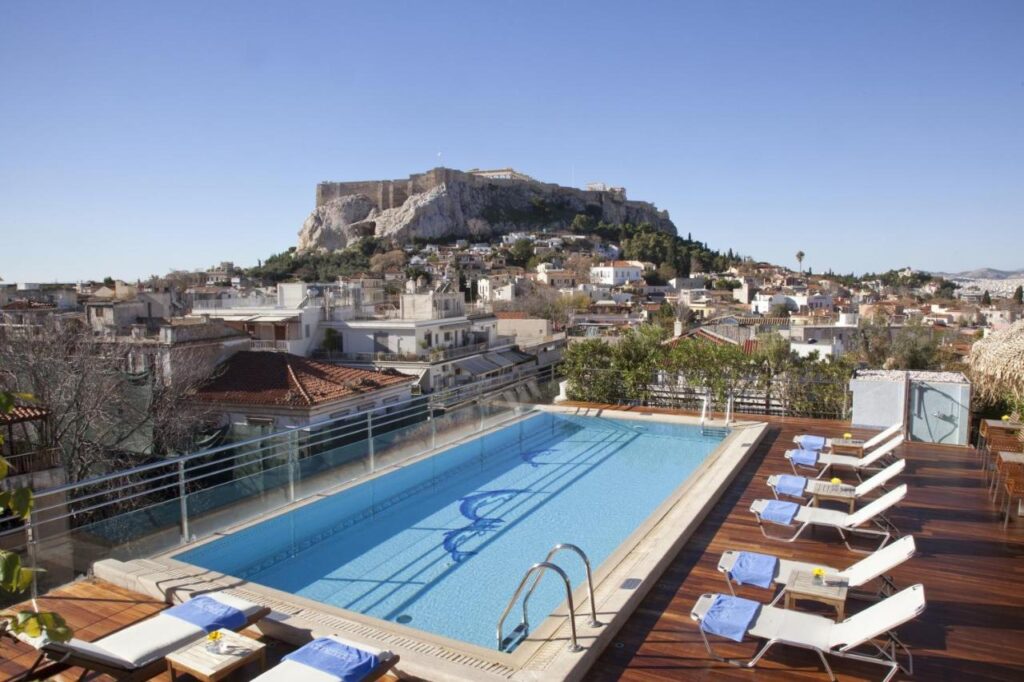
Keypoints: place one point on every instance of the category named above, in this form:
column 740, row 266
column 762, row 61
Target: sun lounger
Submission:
column 329, row 659
column 867, row 636
column 781, row 513
column 784, row 485
column 821, row 462
column 137, row 652
column 743, row 569
column 811, row 442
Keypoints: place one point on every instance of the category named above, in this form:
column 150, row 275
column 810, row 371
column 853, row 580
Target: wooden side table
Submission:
column 848, row 446
column 836, row 492
column 801, row 585
column 207, row 666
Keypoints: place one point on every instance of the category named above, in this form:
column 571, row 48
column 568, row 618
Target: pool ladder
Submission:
column 537, row 571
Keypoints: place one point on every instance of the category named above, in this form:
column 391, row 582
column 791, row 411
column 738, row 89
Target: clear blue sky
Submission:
column 140, row 137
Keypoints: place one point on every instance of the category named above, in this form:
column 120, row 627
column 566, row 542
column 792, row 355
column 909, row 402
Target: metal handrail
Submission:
column 574, row 646
column 170, row 473
column 594, row 622
column 436, row 398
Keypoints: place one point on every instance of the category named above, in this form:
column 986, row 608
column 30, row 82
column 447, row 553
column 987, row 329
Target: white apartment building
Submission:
column 616, row 273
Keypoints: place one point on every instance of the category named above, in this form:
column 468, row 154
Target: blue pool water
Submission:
column 440, row 545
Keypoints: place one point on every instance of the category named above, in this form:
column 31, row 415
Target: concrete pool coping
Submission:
column 620, row 582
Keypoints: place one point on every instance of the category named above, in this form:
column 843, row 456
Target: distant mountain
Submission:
column 982, row 273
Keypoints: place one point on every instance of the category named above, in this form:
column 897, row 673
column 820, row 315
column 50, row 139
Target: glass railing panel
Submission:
column 330, row 464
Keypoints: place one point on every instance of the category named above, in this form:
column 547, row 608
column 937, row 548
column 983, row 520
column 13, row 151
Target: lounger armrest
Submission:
column 757, row 506
column 727, row 561
column 700, row 608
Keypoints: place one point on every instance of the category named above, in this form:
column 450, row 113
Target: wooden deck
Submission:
column 973, row 572
column 95, row 608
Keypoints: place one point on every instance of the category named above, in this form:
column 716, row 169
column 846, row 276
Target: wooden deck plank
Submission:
column 972, row 570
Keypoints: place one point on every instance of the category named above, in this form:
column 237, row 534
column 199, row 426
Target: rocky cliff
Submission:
column 444, row 203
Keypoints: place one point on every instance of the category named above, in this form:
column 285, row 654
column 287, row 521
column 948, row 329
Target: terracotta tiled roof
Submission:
column 24, row 413
column 261, row 378
column 511, row 315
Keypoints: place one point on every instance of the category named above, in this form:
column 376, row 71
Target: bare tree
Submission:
column 107, row 408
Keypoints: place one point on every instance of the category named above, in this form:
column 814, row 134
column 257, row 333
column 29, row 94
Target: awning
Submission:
column 275, row 318
column 476, row 366
column 516, row 357
column 499, row 360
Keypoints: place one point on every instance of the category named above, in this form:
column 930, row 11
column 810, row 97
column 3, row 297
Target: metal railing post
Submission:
column 30, row 538
column 433, row 431
column 293, row 451
column 369, row 440
column 182, row 502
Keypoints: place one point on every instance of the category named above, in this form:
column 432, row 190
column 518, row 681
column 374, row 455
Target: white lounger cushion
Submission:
column 149, row 640
column 824, row 634
column 787, row 625
column 860, row 573
column 831, row 517
column 870, row 442
column 882, row 435
column 880, row 562
column 144, row 642
column 881, row 478
column 860, row 462
column 160, row 635
column 886, row 615
column 292, row 671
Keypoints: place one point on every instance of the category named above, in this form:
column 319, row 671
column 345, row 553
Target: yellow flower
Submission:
column 847, row 436
column 818, row 573
column 214, row 636
column 836, row 481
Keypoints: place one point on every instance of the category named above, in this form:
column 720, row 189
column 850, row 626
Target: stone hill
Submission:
column 450, row 204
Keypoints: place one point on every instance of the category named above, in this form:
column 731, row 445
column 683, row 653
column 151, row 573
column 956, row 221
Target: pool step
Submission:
column 714, row 431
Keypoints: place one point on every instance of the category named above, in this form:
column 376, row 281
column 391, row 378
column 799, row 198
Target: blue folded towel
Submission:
column 780, row 512
column 752, row 568
column 334, row 658
column 811, row 442
column 807, row 458
column 730, row 617
column 791, row 486
column 208, row 613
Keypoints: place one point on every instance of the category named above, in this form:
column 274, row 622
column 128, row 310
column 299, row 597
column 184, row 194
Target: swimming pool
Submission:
column 441, row 544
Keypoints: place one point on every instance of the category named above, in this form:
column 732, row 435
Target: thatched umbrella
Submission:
column 997, row 364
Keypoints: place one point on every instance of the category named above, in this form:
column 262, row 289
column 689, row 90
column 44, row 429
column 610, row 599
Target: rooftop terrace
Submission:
column 972, row 570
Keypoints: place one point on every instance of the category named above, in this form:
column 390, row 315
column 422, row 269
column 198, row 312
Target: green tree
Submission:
column 1018, row 295
column 986, row 298
column 800, row 260
column 520, row 252
column 771, row 361
column 636, row 358
column 588, row 367
column 15, row 578
column 779, row 310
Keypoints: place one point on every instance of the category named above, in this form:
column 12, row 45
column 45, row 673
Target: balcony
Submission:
column 436, row 354
column 33, row 461
column 294, row 346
